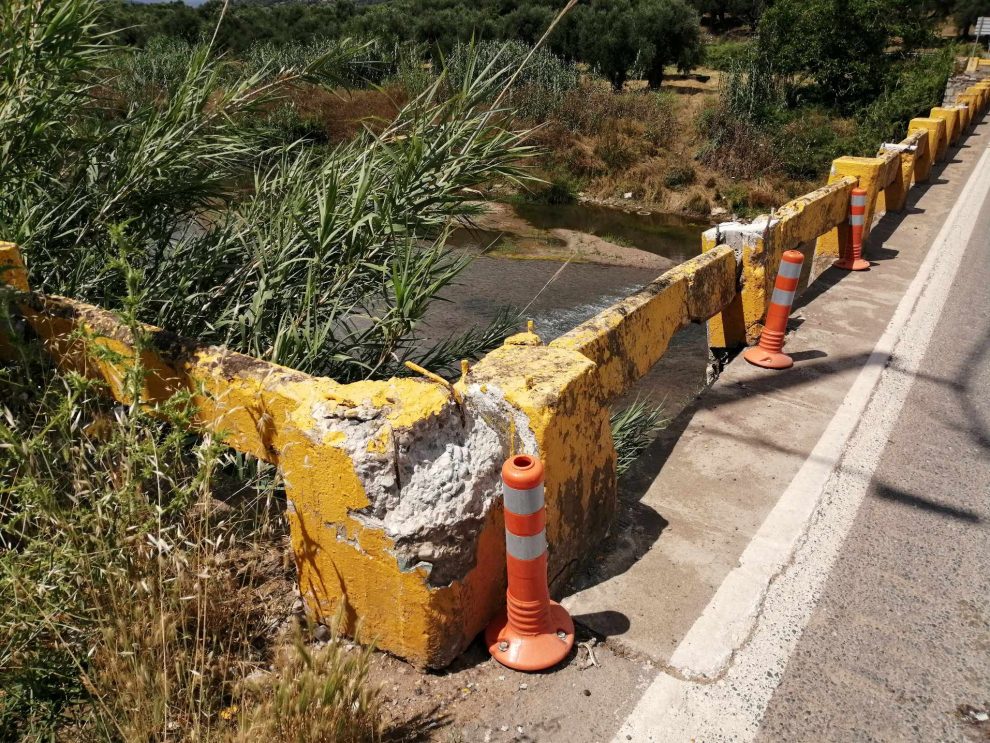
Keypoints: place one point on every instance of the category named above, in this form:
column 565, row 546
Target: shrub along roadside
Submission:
column 754, row 131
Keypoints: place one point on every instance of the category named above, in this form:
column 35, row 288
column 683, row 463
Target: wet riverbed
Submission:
column 561, row 295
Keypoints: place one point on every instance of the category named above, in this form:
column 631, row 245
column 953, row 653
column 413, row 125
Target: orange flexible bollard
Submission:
column 768, row 353
column 857, row 218
column 533, row 633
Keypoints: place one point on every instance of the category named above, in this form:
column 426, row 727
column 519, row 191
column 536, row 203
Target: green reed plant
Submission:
column 322, row 260
column 633, row 429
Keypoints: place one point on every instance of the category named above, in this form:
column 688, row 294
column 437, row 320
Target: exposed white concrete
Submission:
column 431, row 486
column 750, row 627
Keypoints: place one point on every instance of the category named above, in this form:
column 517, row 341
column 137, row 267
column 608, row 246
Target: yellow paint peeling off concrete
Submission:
column 628, row 338
column 760, row 247
column 557, row 390
column 811, row 215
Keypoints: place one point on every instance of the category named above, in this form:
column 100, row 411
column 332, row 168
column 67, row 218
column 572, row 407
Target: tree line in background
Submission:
column 842, row 45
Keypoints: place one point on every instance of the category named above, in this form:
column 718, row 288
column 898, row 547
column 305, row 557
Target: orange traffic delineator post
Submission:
column 853, row 260
column 533, row 633
column 768, row 353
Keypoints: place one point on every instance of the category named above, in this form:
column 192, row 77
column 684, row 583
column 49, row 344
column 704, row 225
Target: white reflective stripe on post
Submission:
column 523, row 502
column 857, row 220
column 525, row 548
column 789, row 270
column 858, row 200
column 782, row 297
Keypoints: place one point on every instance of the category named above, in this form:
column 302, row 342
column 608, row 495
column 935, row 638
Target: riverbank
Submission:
column 581, row 233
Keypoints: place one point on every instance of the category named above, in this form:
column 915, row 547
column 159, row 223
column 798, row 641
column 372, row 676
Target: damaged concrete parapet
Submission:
column 552, row 395
column 758, row 246
column 392, row 487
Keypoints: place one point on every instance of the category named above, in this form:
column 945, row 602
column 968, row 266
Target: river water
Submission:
column 560, row 295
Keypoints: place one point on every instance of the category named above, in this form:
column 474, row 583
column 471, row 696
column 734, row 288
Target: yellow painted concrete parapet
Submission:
column 758, row 247
column 874, row 174
column 938, row 135
column 952, row 122
column 983, row 91
column 913, row 150
column 561, row 414
column 629, row 337
column 924, row 157
column 981, row 88
column 392, row 486
column 893, row 191
column 973, row 102
column 12, row 271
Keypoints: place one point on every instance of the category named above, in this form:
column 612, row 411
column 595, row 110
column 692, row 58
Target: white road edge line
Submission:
column 769, row 597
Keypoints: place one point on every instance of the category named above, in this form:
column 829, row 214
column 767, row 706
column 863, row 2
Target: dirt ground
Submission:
column 477, row 699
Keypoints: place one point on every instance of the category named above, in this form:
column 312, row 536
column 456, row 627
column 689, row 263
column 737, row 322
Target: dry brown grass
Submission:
column 650, row 146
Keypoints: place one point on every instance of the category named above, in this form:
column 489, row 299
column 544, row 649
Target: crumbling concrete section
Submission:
column 430, row 485
column 758, row 246
column 405, row 522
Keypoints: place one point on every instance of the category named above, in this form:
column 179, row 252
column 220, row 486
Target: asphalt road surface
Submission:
column 899, row 645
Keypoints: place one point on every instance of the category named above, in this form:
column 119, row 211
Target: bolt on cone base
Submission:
column 767, row 359
column 531, row 652
column 852, row 265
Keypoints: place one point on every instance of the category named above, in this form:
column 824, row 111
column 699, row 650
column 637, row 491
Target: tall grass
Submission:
column 324, row 261
column 141, row 586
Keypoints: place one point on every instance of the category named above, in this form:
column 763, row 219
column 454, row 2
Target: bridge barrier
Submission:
column 392, row 487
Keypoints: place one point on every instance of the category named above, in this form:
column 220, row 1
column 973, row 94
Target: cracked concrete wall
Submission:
column 393, row 487
column 758, row 247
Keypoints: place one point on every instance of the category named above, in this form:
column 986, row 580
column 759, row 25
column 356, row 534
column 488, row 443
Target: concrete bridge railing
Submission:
column 392, row 486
